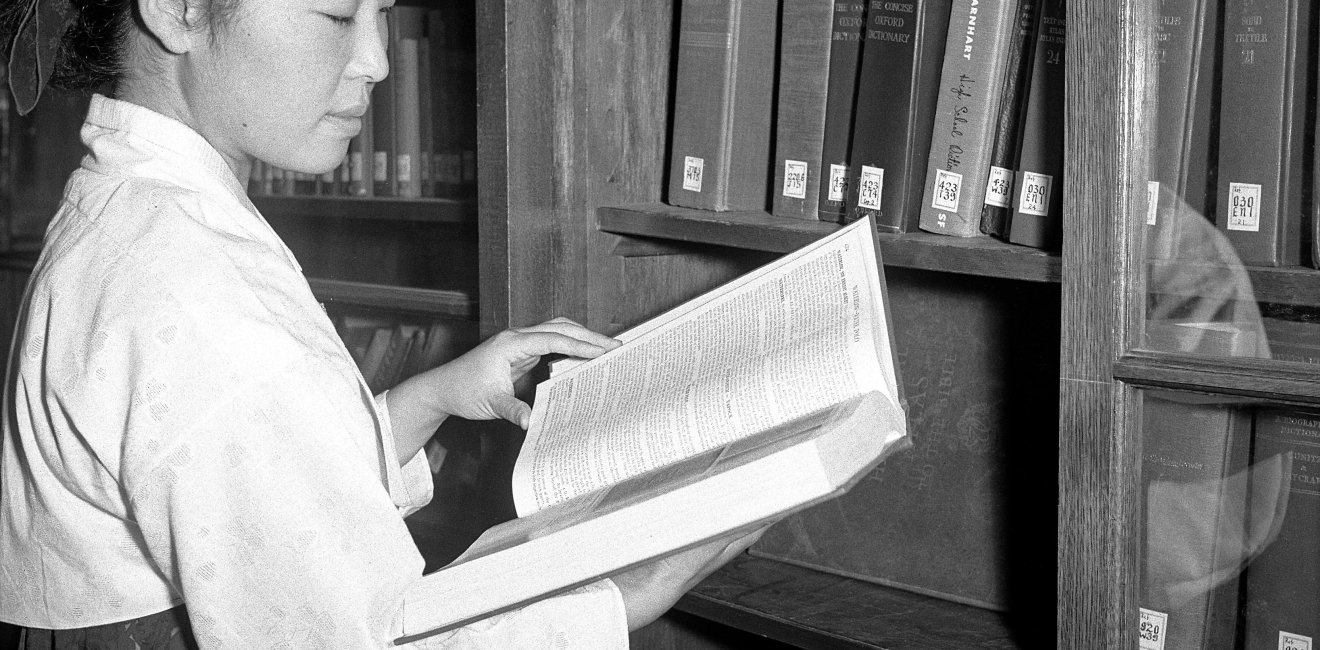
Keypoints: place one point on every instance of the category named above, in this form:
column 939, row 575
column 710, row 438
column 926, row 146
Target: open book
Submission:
column 769, row 394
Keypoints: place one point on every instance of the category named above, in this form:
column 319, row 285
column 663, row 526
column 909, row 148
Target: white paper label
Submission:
column 1152, row 201
column 1244, row 207
column 404, row 165
column 870, row 188
column 692, row 169
column 1035, row 194
column 381, row 162
column 1290, row 641
column 795, row 179
column 948, row 185
column 999, row 190
column 355, row 166
column 1154, row 625
column 838, row 182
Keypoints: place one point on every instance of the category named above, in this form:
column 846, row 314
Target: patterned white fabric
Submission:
column 181, row 423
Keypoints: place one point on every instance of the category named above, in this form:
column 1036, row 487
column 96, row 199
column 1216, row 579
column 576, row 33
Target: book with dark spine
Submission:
column 383, row 111
column 405, row 41
column 720, row 150
column 1038, row 182
column 1262, row 132
column 804, row 64
column 845, row 60
column 998, row 208
column 975, row 56
column 901, row 61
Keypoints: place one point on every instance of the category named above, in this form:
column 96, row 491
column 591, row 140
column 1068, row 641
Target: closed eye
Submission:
column 343, row 21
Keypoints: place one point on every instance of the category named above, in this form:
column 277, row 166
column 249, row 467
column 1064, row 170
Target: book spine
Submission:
column 1263, row 108
column 804, row 64
column 383, row 123
column 1282, row 600
column 426, row 111
column 975, row 56
column 1008, row 130
column 899, row 86
column 841, row 100
column 1038, row 182
column 720, row 157
column 410, row 22
column 1186, row 446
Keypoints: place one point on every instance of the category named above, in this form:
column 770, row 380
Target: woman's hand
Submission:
column 651, row 589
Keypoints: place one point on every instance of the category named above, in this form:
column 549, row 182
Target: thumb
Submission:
column 512, row 409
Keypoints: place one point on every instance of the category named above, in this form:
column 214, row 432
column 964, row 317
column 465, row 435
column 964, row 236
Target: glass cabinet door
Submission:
column 1227, row 351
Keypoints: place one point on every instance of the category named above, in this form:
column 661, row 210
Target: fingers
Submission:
column 568, row 328
column 540, row 343
column 512, row 409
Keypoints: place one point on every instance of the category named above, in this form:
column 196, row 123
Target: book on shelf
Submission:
column 691, row 430
column 958, row 169
column 840, row 102
column 998, row 208
column 426, row 108
column 804, row 64
column 1038, row 182
column 720, row 149
column 1283, row 583
column 361, row 157
column 1187, row 48
column 898, row 87
column 407, row 25
column 1195, row 489
column 1264, row 103
column 1293, row 340
column 384, row 115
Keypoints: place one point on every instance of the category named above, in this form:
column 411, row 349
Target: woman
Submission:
column 189, row 451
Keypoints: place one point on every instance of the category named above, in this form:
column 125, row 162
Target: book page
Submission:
column 797, row 336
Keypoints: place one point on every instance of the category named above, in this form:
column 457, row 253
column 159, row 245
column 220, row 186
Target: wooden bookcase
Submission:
column 573, row 124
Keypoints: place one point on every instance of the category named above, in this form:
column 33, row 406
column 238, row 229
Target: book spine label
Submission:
column 804, row 64
column 845, row 59
column 896, row 95
column 975, row 57
column 1008, row 130
column 1263, row 107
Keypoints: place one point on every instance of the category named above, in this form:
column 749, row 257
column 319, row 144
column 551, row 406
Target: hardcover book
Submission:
column 720, row 150
column 998, row 208
column 975, row 57
column 1264, row 103
column 1038, row 183
column 902, row 56
column 845, row 63
column 690, row 430
column 804, row 64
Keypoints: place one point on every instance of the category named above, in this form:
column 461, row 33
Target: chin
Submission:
column 318, row 160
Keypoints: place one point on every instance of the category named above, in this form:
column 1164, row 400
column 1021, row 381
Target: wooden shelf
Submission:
column 982, row 256
column 429, row 302
column 813, row 609
column 1292, row 285
column 458, row 212
column 1262, row 379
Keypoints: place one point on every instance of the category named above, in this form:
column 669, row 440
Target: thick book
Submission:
column 1195, row 486
column 720, row 149
column 998, row 208
column 1283, row 582
column 975, row 56
column 383, row 125
column 1187, row 47
column 841, row 100
column 405, row 41
column 690, row 430
column 804, row 67
column 1038, row 181
column 1263, row 106
column 897, row 90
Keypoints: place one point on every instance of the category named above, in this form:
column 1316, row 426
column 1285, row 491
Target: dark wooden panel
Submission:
column 983, row 256
column 432, row 302
column 1251, row 378
column 811, row 609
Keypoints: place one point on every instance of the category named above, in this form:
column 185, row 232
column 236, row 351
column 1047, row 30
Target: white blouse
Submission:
column 182, row 424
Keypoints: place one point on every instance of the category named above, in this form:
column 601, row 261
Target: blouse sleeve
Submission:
column 412, row 486
column 260, row 503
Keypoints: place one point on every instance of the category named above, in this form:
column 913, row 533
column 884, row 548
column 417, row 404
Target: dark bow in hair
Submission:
column 36, row 44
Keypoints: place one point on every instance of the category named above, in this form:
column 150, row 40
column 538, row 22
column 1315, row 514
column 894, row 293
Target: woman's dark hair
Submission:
column 92, row 52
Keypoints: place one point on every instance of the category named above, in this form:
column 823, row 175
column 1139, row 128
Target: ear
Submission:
column 171, row 22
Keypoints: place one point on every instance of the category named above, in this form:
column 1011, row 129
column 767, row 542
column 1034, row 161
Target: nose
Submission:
column 370, row 59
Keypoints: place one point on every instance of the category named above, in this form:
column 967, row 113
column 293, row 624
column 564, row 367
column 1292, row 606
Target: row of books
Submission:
column 1232, row 525
column 943, row 115
column 388, row 350
column 1235, row 128
column 419, row 135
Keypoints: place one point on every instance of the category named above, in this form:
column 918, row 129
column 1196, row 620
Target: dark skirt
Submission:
column 167, row 630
